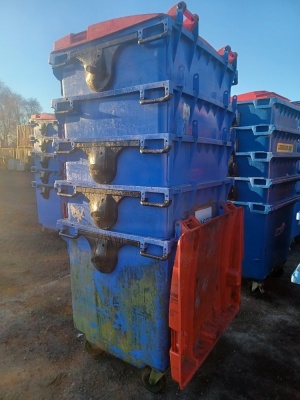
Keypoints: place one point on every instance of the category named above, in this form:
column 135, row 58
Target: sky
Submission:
column 264, row 33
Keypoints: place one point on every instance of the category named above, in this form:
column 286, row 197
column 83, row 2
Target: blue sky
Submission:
column 264, row 33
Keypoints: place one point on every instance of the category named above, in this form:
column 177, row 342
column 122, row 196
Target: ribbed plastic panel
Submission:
column 140, row 210
column 145, row 160
column 267, row 237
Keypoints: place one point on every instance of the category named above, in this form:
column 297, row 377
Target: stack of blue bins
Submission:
column 266, row 183
column 146, row 114
column 47, row 169
column 295, row 234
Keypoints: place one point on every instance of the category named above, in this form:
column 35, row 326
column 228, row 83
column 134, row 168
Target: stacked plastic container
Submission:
column 47, row 168
column 266, row 168
column 295, row 234
column 146, row 114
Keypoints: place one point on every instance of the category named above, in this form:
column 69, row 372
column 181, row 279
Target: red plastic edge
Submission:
column 232, row 55
column 205, row 289
column 101, row 29
column 44, row 116
column 259, row 94
column 191, row 20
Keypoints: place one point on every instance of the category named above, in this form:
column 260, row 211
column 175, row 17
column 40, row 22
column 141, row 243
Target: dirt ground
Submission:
column 43, row 357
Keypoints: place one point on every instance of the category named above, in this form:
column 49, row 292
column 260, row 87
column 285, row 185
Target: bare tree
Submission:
column 14, row 110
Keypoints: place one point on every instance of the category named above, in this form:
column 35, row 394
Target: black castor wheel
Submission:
column 157, row 387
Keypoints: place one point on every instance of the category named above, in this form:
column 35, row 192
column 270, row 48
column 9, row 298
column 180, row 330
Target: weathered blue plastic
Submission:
column 47, row 169
column 50, row 207
column 144, row 110
column 262, row 190
column 125, row 311
column 265, row 138
column 266, row 164
column 44, row 128
column 141, row 210
column 153, row 160
column 46, row 175
column 296, row 222
column 270, row 111
column 267, row 230
column 44, row 144
column 156, row 48
column 47, row 160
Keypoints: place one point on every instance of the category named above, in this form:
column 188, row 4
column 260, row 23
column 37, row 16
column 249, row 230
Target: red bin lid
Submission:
column 101, row 29
column 259, row 94
column 114, row 25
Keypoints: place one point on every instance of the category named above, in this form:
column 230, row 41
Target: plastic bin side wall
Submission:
column 130, row 215
column 267, row 240
column 175, row 56
column 113, row 114
column 282, row 114
column 185, row 162
column 124, row 312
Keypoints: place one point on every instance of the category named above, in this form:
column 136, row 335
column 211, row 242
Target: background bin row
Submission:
column 47, row 169
column 266, row 178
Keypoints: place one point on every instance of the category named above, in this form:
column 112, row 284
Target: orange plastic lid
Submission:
column 43, row 116
column 259, row 94
column 101, row 29
column 205, row 288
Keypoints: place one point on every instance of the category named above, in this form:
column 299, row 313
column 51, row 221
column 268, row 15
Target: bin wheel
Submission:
column 95, row 351
column 256, row 288
column 158, row 387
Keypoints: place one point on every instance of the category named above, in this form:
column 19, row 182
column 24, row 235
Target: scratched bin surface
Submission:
column 267, row 231
column 268, row 191
column 124, row 312
column 140, row 49
column 265, row 138
column 124, row 112
column 295, row 232
column 155, row 160
column 140, row 210
column 266, row 164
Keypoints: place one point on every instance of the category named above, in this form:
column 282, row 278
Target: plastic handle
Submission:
column 61, row 233
column 63, row 147
column 166, row 203
column 165, row 149
column 157, row 100
column 160, row 258
column 66, row 194
column 64, row 107
column 63, row 151
column 153, row 38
